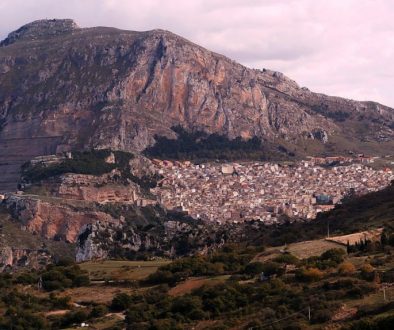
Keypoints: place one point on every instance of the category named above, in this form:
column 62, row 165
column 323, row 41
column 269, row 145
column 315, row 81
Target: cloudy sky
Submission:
column 337, row 47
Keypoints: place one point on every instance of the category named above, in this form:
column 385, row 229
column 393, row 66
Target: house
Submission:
column 227, row 169
column 289, row 268
column 264, row 190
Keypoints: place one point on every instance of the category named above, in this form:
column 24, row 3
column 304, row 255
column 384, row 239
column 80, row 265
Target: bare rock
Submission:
column 51, row 219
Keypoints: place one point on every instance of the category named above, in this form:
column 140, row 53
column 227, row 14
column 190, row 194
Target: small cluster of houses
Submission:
column 360, row 158
column 264, row 191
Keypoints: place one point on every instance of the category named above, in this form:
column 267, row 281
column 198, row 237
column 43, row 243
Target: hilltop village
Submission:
column 264, row 191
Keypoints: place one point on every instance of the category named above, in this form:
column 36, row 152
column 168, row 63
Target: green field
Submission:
column 121, row 270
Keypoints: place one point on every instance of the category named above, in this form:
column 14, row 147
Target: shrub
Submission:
column 321, row 316
column 367, row 272
column 164, row 324
column 120, row 302
column 91, row 162
column 254, row 268
column 309, row 274
column 272, row 268
column 287, row 258
column 53, row 285
column 161, row 276
column 383, row 323
column 188, row 306
column 74, row 317
column 346, row 268
column 335, row 255
column 22, row 319
column 60, row 277
column 98, row 311
column 81, row 280
column 59, row 302
column 27, row 278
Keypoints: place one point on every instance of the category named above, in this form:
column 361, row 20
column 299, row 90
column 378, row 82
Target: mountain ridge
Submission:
column 108, row 88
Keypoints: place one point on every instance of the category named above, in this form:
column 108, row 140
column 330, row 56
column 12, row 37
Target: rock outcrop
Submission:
column 14, row 258
column 56, row 206
column 53, row 218
column 22, row 249
column 170, row 238
column 65, row 88
column 40, row 29
column 169, row 235
column 99, row 189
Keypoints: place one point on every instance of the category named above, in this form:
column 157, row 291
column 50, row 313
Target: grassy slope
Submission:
column 369, row 211
column 121, row 269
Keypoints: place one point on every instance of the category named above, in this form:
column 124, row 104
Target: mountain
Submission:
column 69, row 88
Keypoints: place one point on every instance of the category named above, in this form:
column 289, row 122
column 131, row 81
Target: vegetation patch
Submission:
column 85, row 162
column 337, row 115
column 121, row 270
column 200, row 146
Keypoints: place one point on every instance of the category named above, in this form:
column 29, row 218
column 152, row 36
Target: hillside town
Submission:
column 239, row 192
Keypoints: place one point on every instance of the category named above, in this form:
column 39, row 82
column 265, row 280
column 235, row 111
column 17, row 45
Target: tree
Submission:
column 287, row 258
column 254, row 268
column 272, row 268
column 187, row 305
column 98, row 311
column 335, row 255
column 120, row 302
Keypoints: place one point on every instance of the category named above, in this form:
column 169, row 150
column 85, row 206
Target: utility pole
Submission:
column 39, row 284
column 384, row 294
column 309, row 313
column 328, row 228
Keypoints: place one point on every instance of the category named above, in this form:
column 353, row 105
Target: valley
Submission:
column 148, row 183
column 120, row 205
column 236, row 287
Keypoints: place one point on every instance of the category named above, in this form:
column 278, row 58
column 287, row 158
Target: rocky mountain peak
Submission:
column 40, row 29
column 107, row 88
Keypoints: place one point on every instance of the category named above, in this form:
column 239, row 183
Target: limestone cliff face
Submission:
column 58, row 207
column 52, row 219
column 100, row 189
column 64, row 88
column 14, row 258
column 21, row 249
column 171, row 238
